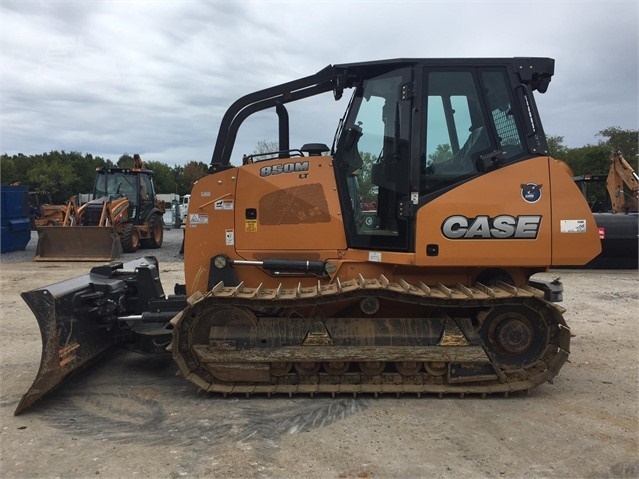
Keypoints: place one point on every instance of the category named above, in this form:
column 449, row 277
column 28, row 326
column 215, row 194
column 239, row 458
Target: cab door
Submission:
column 373, row 163
column 484, row 195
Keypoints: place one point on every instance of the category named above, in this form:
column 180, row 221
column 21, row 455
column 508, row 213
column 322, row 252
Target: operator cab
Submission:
column 136, row 186
column 413, row 132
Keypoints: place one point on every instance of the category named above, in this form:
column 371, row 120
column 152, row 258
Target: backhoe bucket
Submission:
column 77, row 243
column 79, row 318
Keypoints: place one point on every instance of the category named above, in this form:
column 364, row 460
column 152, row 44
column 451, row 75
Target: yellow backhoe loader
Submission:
column 123, row 216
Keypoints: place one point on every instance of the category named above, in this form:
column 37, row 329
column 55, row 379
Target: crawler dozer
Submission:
column 290, row 288
column 123, row 216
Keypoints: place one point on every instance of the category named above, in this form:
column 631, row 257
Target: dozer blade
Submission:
column 77, row 243
column 78, row 321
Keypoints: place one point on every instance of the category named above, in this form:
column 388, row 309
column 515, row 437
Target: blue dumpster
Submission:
column 14, row 218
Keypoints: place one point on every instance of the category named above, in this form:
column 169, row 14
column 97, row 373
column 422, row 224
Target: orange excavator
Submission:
column 616, row 214
column 291, row 287
column 621, row 176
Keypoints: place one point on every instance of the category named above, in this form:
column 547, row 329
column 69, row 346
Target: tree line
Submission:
column 595, row 159
column 64, row 174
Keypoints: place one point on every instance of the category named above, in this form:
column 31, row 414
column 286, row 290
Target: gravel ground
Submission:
column 131, row 416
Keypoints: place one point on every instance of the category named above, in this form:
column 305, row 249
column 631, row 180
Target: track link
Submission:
column 370, row 336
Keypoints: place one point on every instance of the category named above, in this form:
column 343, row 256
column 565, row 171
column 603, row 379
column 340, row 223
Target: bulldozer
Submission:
column 123, row 216
column 291, row 289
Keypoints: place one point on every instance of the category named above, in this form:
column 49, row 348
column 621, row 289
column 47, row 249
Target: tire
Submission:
column 130, row 239
column 156, row 233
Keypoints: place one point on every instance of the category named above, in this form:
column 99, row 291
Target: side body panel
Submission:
column 208, row 231
column 279, row 209
column 526, row 214
column 488, row 222
column 288, row 205
column 574, row 229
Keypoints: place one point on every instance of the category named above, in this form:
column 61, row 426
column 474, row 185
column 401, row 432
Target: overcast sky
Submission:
column 155, row 77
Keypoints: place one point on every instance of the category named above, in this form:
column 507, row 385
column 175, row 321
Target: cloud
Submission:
column 156, row 77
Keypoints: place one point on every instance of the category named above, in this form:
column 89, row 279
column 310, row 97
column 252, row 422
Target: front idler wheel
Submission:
column 516, row 335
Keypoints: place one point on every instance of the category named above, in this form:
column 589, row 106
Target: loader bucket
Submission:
column 77, row 243
column 78, row 321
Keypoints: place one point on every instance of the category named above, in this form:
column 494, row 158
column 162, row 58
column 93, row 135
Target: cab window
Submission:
column 502, row 114
column 373, row 154
column 463, row 126
column 456, row 132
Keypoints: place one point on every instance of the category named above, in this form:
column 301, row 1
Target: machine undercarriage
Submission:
column 370, row 336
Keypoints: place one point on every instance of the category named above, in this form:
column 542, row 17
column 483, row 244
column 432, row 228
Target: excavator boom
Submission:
column 620, row 176
column 616, row 216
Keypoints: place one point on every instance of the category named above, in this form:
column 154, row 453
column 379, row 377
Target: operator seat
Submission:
column 464, row 159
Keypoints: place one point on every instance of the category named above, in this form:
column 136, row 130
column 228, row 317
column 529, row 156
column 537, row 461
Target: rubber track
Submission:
column 510, row 379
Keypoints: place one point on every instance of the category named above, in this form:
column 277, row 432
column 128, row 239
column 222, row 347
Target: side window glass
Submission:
column 456, row 133
column 371, row 146
column 370, row 118
column 438, row 142
column 126, row 187
column 499, row 104
column 101, row 186
column 145, row 188
column 461, row 108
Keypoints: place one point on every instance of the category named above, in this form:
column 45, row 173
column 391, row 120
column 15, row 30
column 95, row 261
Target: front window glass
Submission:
column 373, row 150
column 116, row 184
